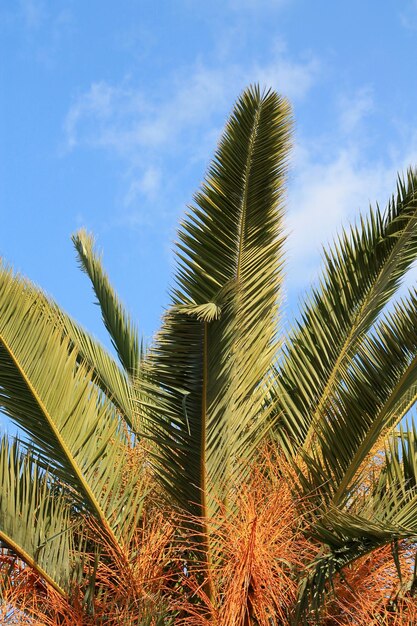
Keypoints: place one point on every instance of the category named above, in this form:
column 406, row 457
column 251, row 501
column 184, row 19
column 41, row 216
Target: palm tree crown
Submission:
column 166, row 447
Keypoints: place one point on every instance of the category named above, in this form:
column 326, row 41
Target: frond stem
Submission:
column 22, row 554
column 85, row 487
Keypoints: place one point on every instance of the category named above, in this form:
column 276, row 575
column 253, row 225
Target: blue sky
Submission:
column 110, row 113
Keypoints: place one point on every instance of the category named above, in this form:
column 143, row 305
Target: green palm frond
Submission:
column 122, row 330
column 193, row 412
column 35, row 520
column 385, row 512
column 218, row 339
column 107, row 374
column 53, row 398
column 347, row 537
column 361, row 274
column 351, row 538
column 399, row 473
column 105, row 371
column 378, row 389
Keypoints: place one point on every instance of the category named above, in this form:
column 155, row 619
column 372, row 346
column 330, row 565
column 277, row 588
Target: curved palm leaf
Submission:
column 361, row 274
column 35, row 520
column 378, row 389
column 105, row 371
column 385, row 514
column 52, row 397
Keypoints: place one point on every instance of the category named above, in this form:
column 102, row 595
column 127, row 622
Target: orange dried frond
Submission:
column 257, row 550
column 132, row 581
column 370, row 593
column 28, row 600
column 128, row 583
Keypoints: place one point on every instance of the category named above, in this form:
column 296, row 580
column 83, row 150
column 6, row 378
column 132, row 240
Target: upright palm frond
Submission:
column 361, row 274
column 122, row 330
column 217, row 341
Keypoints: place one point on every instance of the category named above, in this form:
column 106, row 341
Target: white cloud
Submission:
column 333, row 177
column 354, row 108
column 124, row 117
column 182, row 123
column 328, row 193
column 147, row 184
column 336, row 176
column 322, row 196
column 102, row 116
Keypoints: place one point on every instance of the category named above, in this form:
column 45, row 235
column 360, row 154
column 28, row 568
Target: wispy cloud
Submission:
column 324, row 195
column 124, row 118
column 331, row 178
column 146, row 130
column 335, row 176
column 328, row 191
column 148, row 184
column 354, row 108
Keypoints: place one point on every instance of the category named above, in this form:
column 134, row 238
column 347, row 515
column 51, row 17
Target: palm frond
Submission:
column 53, row 398
column 378, row 389
column 383, row 514
column 345, row 539
column 122, row 330
column 213, row 354
column 361, row 273
column 106, row 372
column 399, row 472
column 35, row 520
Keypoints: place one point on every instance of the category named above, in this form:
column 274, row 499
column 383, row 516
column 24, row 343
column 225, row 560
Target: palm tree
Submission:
column 219, row 383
